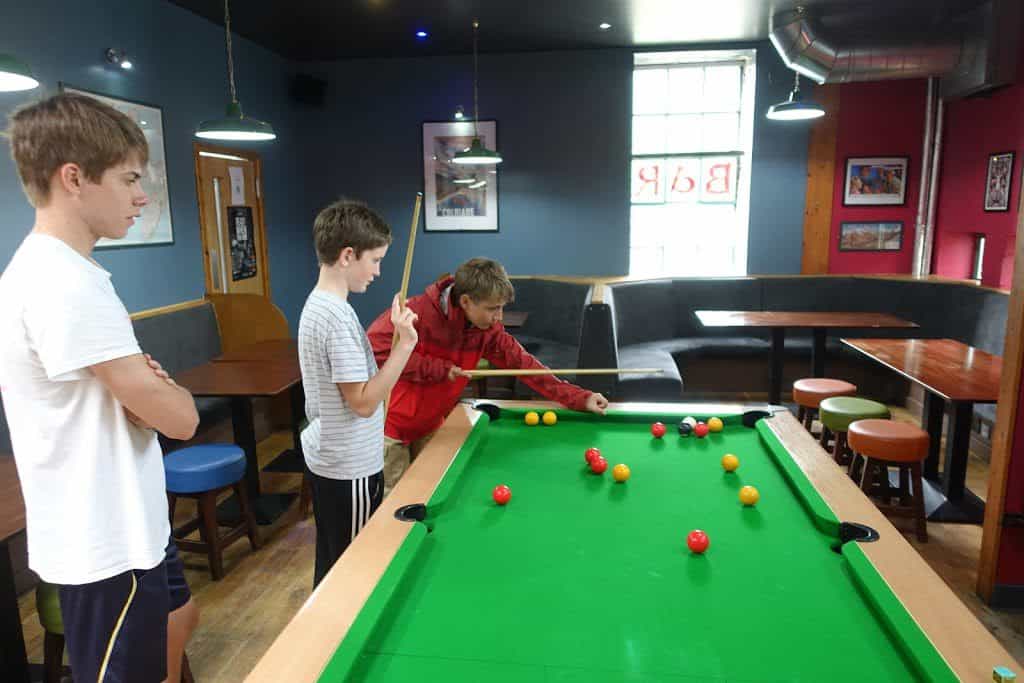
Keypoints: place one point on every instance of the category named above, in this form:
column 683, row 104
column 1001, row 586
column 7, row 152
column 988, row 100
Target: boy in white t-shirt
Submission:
column 344, row 442
column 82, row 401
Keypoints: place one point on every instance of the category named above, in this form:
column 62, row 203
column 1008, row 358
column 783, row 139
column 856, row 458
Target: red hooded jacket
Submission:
column 423, row 396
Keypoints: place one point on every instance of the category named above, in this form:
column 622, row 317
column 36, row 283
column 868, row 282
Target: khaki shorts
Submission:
column 398, row 457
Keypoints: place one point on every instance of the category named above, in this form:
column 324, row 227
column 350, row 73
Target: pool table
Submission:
column 581, row 578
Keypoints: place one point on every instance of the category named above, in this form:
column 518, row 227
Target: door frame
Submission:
column 259, row 220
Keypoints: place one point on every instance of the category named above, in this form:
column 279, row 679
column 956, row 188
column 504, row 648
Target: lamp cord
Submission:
column 231, row 63
column 476, row 101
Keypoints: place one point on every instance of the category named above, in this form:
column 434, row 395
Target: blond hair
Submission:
column 347, row 223
column 483, row 279
column 70, row 128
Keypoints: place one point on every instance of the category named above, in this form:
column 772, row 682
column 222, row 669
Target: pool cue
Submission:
column 474, row 374
column 403, row 292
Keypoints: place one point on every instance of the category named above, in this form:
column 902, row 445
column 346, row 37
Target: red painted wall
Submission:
column 975, row 128
column 884, row 118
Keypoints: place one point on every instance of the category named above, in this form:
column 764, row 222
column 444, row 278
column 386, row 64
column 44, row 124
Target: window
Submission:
column 690, row 178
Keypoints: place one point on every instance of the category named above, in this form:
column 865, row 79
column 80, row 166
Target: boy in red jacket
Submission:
column 459, row 323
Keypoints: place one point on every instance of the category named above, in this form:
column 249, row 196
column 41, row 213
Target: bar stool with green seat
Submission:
column 838, row 412
column 808, row 393
column 882, row 444
column 202, row 472
column 48, row 609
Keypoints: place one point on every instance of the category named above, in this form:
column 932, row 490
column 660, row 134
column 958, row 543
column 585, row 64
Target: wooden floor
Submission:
column 243, row 613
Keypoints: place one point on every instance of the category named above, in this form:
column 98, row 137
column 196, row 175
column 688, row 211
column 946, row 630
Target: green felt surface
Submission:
column 580, row 578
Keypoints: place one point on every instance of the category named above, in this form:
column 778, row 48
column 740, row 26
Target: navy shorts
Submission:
column 115, row 630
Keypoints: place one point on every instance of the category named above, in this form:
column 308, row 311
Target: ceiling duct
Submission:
column 979, row 52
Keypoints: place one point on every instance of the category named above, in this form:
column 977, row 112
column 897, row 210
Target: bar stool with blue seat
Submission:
column 202, row 472
column 838, row 412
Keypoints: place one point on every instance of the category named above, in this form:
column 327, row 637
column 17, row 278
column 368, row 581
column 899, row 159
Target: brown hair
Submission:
column 483, row 279
column 347, row 223
column 70, row 128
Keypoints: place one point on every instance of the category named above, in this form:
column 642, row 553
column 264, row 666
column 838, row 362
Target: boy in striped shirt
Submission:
column 344, row 442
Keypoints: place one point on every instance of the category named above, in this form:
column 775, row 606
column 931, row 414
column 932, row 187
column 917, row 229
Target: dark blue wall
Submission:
column 563, row 126
column 564, row 130
column 179, row 65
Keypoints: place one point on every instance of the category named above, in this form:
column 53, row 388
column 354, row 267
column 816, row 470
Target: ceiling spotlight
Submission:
column 118, row 57
column 422, row 35
column 460, row 113
column 604, row 26
column 464, row 181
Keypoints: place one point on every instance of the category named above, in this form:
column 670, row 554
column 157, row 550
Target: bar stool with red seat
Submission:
column 808, row 393
column 878, row 445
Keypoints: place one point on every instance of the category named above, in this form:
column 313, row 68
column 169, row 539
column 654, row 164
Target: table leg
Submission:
column 958, row 442
column 13, row 659
column 818, row 352
column 932, row 414
column 775, row 379
column 266, row 507
column 244, row 428
column 298, row 401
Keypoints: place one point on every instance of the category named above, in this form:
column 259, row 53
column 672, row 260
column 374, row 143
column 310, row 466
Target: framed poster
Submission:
column 458, row 198
column 154, row 226
column 242, row 233
column 997, row 181
column 874, row 236
column 876, row 181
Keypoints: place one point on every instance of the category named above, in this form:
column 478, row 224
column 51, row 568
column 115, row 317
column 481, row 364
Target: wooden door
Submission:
column 230, row 192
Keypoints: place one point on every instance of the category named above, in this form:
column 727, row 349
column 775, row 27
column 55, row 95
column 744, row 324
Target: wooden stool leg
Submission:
column 853, row 470
column 53, row 657
column 208, row 530
column 247, row 515
column 823, row 440
column 922, row 522
column 801, row 415
column 305, row 496
column 867, row 474
column 839, row 449
column 172, row 503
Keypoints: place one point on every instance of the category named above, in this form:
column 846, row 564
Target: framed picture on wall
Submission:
column 154, row 226
column 876, row 181
column 458, row 198
column 997, row 181
column 875, row 236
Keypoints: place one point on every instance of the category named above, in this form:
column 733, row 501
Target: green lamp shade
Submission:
column 795, row 109
column 235, row 126
column 15, row 75
column 476, row 154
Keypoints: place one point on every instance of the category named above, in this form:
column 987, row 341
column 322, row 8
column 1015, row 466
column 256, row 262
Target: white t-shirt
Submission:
column 95, row 497
column 333, row 348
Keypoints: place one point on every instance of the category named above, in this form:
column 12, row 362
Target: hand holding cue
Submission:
column 474, row 374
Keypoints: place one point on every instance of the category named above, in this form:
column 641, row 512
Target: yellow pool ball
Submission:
column 730, row 462
column 715, row 424
column 749, row 495
column 550, row 418
column 620, row 472
column 532, row 418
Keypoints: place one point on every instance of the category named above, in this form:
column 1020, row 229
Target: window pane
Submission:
column 650, row 89
column 721, row 133
column 648, row 134
column 722, row 88
column 683, row 133
column 686, row 89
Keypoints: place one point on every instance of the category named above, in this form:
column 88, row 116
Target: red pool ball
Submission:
column 502, row 494
column 590, row 454
column 598, row 465
column 701, row 430
column 697, row 541
column 658, row 430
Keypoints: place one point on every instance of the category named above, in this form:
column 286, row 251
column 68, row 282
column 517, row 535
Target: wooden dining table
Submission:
column 241, row 381
column 954, row 377
column 818, row 322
